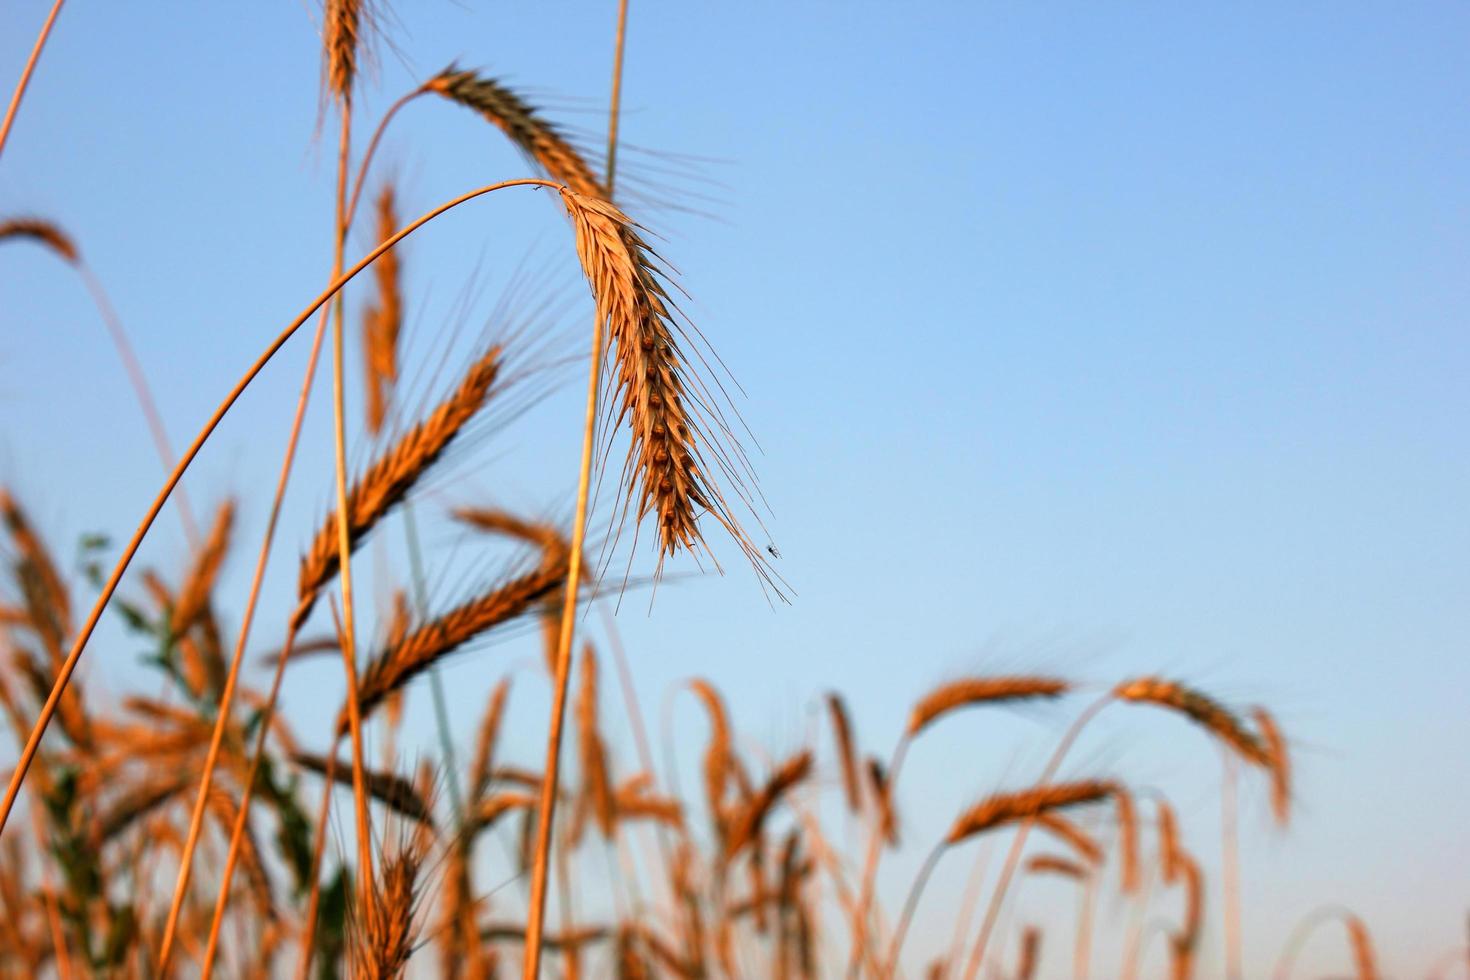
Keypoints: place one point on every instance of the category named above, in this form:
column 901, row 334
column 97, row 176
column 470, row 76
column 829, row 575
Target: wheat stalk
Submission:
column 25, row 75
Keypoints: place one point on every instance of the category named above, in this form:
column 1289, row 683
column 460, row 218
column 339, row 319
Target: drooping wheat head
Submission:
column 1081, row 841
column 1055, row 864
column 43, row 232
column 971, row 691
column 1279, row 763
column 1200, row 708
column 1003, row 809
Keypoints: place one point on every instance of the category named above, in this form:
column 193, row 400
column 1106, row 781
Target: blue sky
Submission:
column 1102, row 339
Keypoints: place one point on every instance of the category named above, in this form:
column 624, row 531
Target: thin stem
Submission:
column 546, row 812
column 144, row 394
column 319, row 846
column 870, row 861
column 1083, row 952
column 227, row 696
column 63, row 677
column 436, row 682
column 238, row 829
column 635, row 719
column 617, row 93
column 1302, row 932
column 25, row 75
column 372, row 149
column 1230, row 867
column 53, row 912
column 909, row 905
column 536, row 912
column 344, row 541
column 1132, row 945
column 967, row 908
column 134, row 370
column 1013, row 857
column 287, row 463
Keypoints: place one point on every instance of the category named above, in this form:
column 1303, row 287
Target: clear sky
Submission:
column 1095, row 338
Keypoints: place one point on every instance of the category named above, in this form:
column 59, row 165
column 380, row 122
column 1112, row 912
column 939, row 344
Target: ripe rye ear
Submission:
column 666, row 464
column 42, row 232
column 391, row 476
column 676, row 433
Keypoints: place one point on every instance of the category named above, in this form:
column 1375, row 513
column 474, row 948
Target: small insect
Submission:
column 772, row 549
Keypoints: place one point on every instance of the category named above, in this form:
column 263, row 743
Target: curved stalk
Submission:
column 535, row 913
column 1132, row 942
column 1013, row 857
column 870, row 863
column 287, row 463
column 1083, row 952
column 537, row 910
column 1230, row 870
column 967, row 909
column 910, row 903
column 25, row 75
column 63, row 677
column 344, row 541
column 1303, row 932
column 313, row 903
column 139, row 381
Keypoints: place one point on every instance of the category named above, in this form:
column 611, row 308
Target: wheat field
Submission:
column 189, row 826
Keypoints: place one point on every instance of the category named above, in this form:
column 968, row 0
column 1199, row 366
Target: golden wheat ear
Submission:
column 387, row 923
column 846, row 751
column 1280, row 763
column 1008, row 808
column 1199, row 708
column 42, row 232
column 392, row 475
column 395, row 666
column 973, row 691
column 748, row 823
column 382, row 321
column 675, row 447
column 1081, row 841
column 679, row 440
